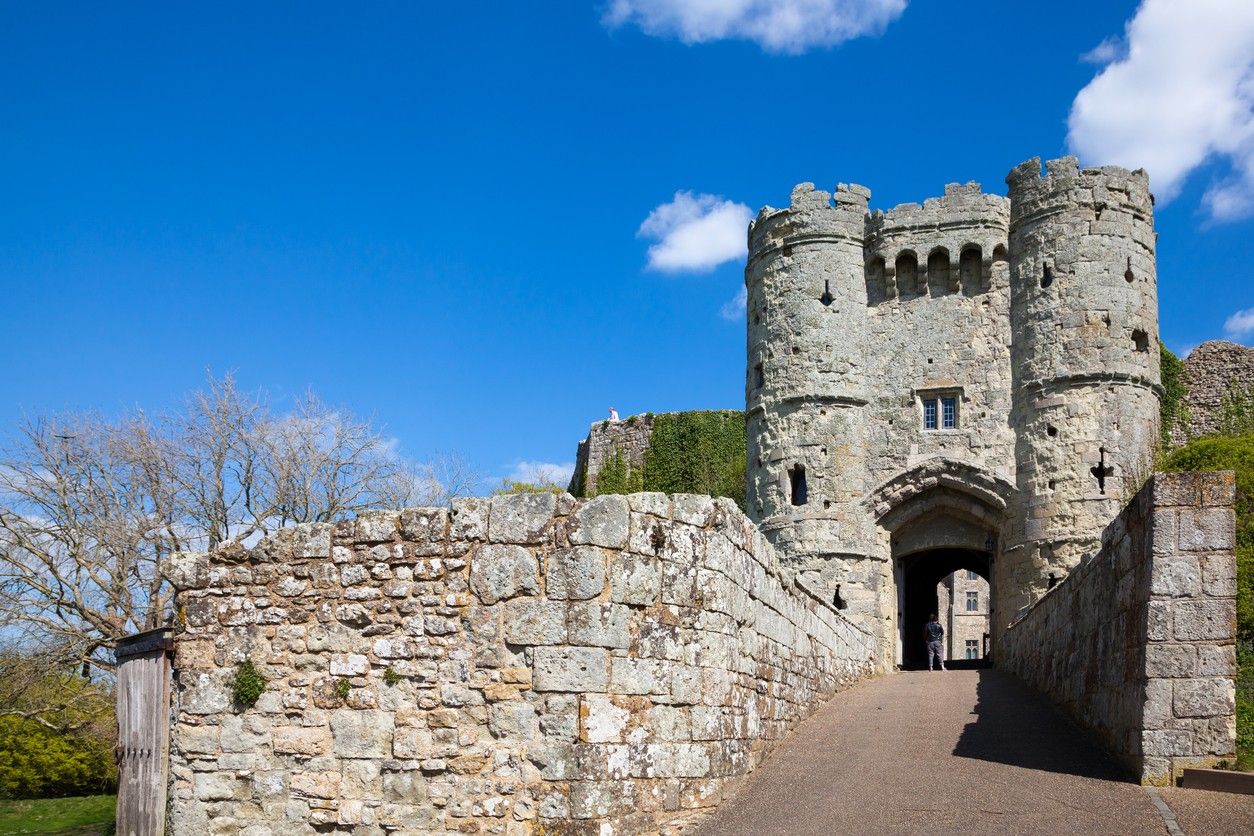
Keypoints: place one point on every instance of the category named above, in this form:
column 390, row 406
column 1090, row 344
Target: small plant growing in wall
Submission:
column 391, row 677
column 248, row 684
column 342, row 689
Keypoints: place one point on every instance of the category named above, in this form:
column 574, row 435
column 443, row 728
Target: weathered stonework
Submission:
column 1030, row 319
column 1138, row 643
column 605, row 438
column 1208, row 372
column 524, row 664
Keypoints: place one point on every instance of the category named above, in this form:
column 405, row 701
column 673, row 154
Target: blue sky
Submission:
column 429, row 213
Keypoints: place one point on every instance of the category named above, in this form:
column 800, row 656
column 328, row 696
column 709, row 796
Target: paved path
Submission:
column 970, row 752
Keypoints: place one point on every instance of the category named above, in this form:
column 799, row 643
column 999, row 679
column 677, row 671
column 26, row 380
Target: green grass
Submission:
column 84, row 816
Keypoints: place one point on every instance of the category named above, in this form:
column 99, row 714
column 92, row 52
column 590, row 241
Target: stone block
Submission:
column 570, row 669
column 600, row 521
column 678, row 760
column 1213, row 697
column 535, row 621
column 515, row 720
column 349, row 664
column 635, row 579
column 214, row 786
column 1165, row 743
column 1177, row 489
column 1219, row 574
column 299, row 740
column 362, row 734
column 1177, row 576
column 1207, row 619
column 316, row 785
column 1158, row 621
column 1207, row 529
column 520, row 517
column 650, row 502
column 601, row 720
column 1170, row 660
column 1157, row 713
column 197, row 740
column 424, row 525
column 375, row 527
column 1165, row 531
column 693, row 509
column 468, row 519
column 1219, row 488
column 639, row 676
column 576, row 574
column 499, row 572
column 591, row 623
column 1217, row 660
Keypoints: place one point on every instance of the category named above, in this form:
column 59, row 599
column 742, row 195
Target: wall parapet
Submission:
column 1138, row 642
column 514, row 664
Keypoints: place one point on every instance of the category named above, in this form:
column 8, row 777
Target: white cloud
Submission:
column 789, row 26
column 696, row 233
column 1182, row 94
column 734, row 308
column 1108, row 50
column 1240, row 326
column 542, row 473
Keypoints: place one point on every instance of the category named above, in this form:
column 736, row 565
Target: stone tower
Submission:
column 1084, row 320
column 805, row 389
column 967, row 383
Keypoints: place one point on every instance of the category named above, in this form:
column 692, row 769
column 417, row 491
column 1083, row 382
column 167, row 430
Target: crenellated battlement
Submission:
column 1014, row 335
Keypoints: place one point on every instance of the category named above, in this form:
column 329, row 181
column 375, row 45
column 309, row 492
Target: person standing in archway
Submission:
column 934, row 635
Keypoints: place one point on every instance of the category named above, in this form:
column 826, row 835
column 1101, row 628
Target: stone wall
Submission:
column 630, row 436
column 524, row 664
column 1208, row 371
column 1138, row 642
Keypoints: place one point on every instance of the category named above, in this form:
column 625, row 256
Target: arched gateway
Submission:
column 938, row 518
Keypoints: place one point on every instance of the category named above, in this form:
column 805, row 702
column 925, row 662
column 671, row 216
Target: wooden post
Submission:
column 143, row 751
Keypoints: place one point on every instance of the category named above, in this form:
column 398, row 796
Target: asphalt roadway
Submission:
column 962, row 752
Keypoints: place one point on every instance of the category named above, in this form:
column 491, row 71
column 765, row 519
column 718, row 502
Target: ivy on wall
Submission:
column 697, row 452
column 1172, row 408
column 701, row 452
column 618, row 476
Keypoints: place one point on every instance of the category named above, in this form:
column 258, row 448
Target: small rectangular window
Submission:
column 797, row 485
column 973, row 648
column 972, row 576
column 949, row 413
column 759, row 376
column 973, row 601
column 929, row 414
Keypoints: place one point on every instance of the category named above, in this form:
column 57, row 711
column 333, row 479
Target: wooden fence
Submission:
column 143, row 731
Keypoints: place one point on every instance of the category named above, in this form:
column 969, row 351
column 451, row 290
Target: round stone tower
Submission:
column 1085, row 361
column 805, row 398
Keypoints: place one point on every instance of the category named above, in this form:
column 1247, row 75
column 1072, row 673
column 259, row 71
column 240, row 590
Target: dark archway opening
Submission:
column 920, row 574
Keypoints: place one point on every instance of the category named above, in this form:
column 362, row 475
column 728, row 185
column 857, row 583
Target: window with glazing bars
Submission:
column 973, row 601
column 973, row 648
column 940, row 413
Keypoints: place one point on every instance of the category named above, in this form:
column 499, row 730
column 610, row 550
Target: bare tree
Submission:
column 91, row 510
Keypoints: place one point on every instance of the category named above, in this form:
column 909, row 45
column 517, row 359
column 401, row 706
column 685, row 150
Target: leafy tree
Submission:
column 56, row 728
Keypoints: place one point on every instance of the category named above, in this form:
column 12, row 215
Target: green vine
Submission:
column 618, row 476
column 391, row 677
column 248, row 684
column 1173, row 411
column 342, row 689
column 699, row 452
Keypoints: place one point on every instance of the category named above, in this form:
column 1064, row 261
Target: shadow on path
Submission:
column 1014, row 726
